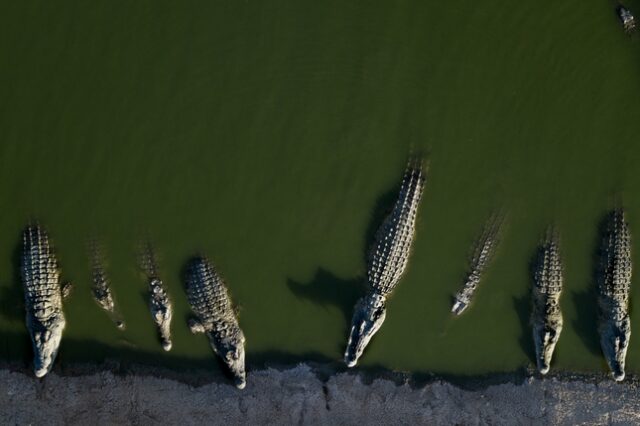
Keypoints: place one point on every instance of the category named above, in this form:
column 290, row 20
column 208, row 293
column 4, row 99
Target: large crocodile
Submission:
column 614, row 285
column 484, row 249
column 43, row 296
column 546, row 316
column 159, row 303
column 215, row 316
column 386, row 262
column 100, row 287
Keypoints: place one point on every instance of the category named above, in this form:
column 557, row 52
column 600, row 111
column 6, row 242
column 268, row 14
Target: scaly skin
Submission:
column 159, row 303
column 100, row 287
column 484, row 251
column 43, row 297
column 386, row 263
column 627, row 19
column 547, row 317
column 614, row 285
column 210, row 301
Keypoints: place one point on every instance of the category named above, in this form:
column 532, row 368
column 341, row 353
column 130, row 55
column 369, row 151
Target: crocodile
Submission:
column 100, row 287
column 159, row 303
column 484, row 249
column 215, row 316
column 547, row 286
column 386, row 262
column 43, row 295
column 627, row 19
column 614, row 285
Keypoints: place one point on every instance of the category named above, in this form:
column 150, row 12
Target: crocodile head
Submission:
column 231, row 350
column 369, row 314
column 615, row 341
column 545, row 337
column 45, row 346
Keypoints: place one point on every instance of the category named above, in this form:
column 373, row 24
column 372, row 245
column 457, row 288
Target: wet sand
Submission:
column 305, row 395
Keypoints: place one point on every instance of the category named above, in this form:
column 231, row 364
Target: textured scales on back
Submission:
column 547, row 286
column 43, row 297
column 484, row 250
column 615, row 268
column 386, row 262
column 210, row 301
column 208, row 295
column 614, row 286
column 390, row 252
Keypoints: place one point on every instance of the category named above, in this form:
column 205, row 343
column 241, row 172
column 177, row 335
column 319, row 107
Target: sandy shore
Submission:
column 299, row 395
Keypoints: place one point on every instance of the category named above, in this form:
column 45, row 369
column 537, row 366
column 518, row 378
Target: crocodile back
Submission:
column 100, row 281
column 40, row 276
column 147, row 260
column 547, row 276
column 485, row 247
column 614, row 277
column 207, row 293
column 389, row 254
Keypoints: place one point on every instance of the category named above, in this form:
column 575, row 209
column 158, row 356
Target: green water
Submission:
column 269, row 135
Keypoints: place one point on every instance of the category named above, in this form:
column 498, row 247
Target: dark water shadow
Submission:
column 12, row 295
column 85, row 356
column 90, row 356
column 586, row 321
column 522, row 306
column 326, row 289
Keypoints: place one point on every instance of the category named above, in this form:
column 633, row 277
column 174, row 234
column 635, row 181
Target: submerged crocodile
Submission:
column 627, row 19
column 43, row 296
column 386, row 262
column 484, row 250
column 215, row 316
column 100, row 287
column 159, row 303
column 614, row 285
column 547, row 286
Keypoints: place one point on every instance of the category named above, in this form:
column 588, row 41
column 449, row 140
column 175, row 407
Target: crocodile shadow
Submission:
column 12, row 295
column 522, row 306
column 586, row 321
column 325, row 288
column 86, row 357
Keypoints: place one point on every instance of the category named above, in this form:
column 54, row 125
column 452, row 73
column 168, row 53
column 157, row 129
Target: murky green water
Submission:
column 269, row 135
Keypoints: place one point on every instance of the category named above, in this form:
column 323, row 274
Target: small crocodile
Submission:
column 484, row 250
column 546, row 316
column 43, row 297
column 100, row 287
column 614, row 285
column 159, row 303
column 215, row 316
column 386, row 262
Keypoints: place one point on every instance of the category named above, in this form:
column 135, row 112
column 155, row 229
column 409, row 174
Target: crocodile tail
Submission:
column 485, row 246
column 147, row 259
column 96, row 254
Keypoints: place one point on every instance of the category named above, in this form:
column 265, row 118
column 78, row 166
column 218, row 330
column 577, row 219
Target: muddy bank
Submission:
column 301, row 395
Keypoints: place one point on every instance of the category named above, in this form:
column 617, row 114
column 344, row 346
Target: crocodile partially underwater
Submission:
column 215, row 316
column 386, row 262
column 484, row 249
column 614, row 285
column 100, row 287
column 547, row 286
column 43, row 297
column 159, row 303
